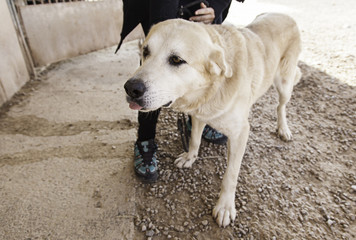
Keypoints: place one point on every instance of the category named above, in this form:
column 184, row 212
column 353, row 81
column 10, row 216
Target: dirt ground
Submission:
column 303, row 189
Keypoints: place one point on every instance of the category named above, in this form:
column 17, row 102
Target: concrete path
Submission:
column 65, row 153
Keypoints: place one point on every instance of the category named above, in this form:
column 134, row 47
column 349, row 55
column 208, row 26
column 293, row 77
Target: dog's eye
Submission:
column 175, row 60
column 145, row 52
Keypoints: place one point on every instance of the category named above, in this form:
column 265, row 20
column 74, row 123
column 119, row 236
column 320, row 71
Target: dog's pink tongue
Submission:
column 135, row 106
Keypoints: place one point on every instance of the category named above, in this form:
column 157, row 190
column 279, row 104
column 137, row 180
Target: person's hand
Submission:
column 204, row 14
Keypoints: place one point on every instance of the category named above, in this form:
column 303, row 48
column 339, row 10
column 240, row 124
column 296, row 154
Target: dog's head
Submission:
column 179, row 61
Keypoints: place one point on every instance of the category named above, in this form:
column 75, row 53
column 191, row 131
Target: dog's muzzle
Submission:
column 135, row 88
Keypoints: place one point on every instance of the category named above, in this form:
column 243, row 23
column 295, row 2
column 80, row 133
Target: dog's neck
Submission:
column 205, row 101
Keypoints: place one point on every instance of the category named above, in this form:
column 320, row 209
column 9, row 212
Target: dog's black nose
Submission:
column 135, row 88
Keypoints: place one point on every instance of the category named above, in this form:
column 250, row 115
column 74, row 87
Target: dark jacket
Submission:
column 138, row 11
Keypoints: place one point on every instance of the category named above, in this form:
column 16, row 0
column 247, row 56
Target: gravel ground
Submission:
column 304, row 189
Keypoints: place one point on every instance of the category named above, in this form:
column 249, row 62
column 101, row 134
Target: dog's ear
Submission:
column 217, row 64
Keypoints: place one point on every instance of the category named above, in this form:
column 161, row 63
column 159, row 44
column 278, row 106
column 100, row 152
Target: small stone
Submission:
column 179, row 229
column 150, row 225
column 205, row 222
column 185, row 224
column 144, row 228
column 330, row 222
column 150, row 233
column 353, row 187
column 303, row 212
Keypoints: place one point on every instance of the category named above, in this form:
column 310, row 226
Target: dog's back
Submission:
column 281, row 47
column 276, row 27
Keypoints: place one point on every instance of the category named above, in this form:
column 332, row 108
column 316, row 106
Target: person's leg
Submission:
column 145, row 147
column 145, row 161
column 147, row 125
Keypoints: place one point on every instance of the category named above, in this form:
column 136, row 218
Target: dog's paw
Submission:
column 285, row 134
column 224, row 212
column 185, row 160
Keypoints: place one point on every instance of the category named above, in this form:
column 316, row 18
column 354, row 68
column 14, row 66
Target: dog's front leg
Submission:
column 225, row 211
column 186, row 159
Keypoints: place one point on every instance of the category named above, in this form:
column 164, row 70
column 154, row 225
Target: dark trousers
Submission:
column 159, row 11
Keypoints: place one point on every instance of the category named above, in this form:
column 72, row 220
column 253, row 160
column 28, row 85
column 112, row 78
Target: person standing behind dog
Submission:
column 148, row 13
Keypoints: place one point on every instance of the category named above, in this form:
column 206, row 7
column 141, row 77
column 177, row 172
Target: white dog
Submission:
column 215, row 73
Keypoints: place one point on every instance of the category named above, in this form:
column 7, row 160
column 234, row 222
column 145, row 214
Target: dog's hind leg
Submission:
column 186, row 159
column 289, row 75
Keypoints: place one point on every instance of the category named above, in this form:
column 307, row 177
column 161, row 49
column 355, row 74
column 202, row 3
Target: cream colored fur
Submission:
column 226, row 70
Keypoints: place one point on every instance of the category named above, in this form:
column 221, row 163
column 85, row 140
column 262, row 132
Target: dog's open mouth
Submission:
column 167, row 104
column 136, row 106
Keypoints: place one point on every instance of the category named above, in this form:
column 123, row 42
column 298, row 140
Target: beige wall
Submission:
column 63, row 30
column 13, row 72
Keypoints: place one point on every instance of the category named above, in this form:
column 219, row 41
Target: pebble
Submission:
column 150, row 225
column 150, row 233
column 330, row 222
column 180, row 229
column 201, row 185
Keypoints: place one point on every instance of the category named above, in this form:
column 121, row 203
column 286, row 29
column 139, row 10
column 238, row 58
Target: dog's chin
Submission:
column 150, row 109
column 138, row 105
